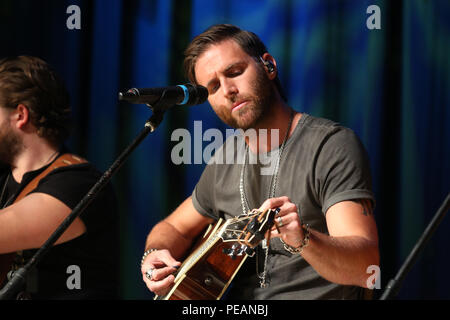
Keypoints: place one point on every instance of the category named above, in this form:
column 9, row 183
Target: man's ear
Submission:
column 271, row 65
column 21, row 116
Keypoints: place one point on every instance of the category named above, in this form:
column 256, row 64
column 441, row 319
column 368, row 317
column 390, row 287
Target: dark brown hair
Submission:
column 32, row 82
column 248, row 41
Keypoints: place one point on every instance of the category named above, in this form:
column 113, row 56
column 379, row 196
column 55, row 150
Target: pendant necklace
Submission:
column 271, row 194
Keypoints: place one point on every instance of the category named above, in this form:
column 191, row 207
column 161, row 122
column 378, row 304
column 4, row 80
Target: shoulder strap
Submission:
column 63, row 160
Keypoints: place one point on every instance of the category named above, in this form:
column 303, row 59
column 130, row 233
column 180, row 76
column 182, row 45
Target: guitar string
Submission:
column 271, row 194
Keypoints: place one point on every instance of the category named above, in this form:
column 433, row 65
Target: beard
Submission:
column 257, row 108
column 10, row 144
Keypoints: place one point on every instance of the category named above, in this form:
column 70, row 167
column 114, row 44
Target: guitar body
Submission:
column 208, row 271
column 210, row 276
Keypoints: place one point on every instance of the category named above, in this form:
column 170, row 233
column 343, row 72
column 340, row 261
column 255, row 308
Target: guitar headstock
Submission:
column 259, row 224
column 248, row 230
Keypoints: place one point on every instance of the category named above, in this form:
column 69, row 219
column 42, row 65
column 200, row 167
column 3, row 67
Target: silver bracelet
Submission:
column 146, row 253
column 302, row 245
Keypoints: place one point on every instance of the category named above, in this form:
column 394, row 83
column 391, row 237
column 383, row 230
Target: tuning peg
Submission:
column 233, row 251
column 253, row 225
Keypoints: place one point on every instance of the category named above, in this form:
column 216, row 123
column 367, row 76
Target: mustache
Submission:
column 235, row 98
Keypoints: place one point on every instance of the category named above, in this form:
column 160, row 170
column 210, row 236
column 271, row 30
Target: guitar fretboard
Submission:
column 197, row 254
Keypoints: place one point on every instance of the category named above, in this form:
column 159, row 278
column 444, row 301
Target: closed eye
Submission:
column 234, row 73
column 212, row 88
column 234, row 70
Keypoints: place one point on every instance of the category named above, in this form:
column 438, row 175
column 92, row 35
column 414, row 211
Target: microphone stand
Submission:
column 18, row 277
column 393, row 286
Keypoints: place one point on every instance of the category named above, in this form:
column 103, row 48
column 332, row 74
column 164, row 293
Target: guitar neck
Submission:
column 208, row 271
column 209, row 240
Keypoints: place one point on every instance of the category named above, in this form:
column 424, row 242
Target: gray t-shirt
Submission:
column 322, row 164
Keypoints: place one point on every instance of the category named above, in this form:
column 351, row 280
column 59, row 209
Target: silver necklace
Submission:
column 271, row 194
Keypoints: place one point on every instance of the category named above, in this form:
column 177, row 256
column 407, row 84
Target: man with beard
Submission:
column 325, row 236
column 34, row 123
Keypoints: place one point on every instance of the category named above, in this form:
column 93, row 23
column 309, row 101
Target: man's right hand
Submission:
column 161, row 265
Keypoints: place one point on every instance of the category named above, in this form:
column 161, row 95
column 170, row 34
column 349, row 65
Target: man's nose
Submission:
column 229, row 88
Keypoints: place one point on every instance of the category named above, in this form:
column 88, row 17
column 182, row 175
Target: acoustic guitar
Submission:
column 208, row 271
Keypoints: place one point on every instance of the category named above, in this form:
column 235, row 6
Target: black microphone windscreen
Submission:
column 196, row 94
column 185, row 94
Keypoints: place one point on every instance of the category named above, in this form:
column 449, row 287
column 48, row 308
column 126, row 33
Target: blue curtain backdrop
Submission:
column 391, row 86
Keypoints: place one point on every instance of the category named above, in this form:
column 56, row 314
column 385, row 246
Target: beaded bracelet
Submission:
column 303, row 245
column 146, row 253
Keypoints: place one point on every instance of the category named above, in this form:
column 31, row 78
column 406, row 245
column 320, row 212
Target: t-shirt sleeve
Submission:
column 342, row 170
column 203, row 194
column 70, row 184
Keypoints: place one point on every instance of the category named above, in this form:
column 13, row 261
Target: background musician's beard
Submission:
column 10, row 144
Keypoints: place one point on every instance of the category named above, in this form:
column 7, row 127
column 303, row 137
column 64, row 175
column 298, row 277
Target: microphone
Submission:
column 185, row 94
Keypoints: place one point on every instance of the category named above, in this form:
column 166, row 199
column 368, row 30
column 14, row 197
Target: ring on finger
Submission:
column 149, row 273
column 280, row 221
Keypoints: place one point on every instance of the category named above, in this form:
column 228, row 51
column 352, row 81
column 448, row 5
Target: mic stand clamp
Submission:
column 156, row 118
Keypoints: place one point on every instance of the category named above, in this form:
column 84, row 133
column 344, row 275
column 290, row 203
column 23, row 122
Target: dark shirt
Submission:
column 87, row 266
